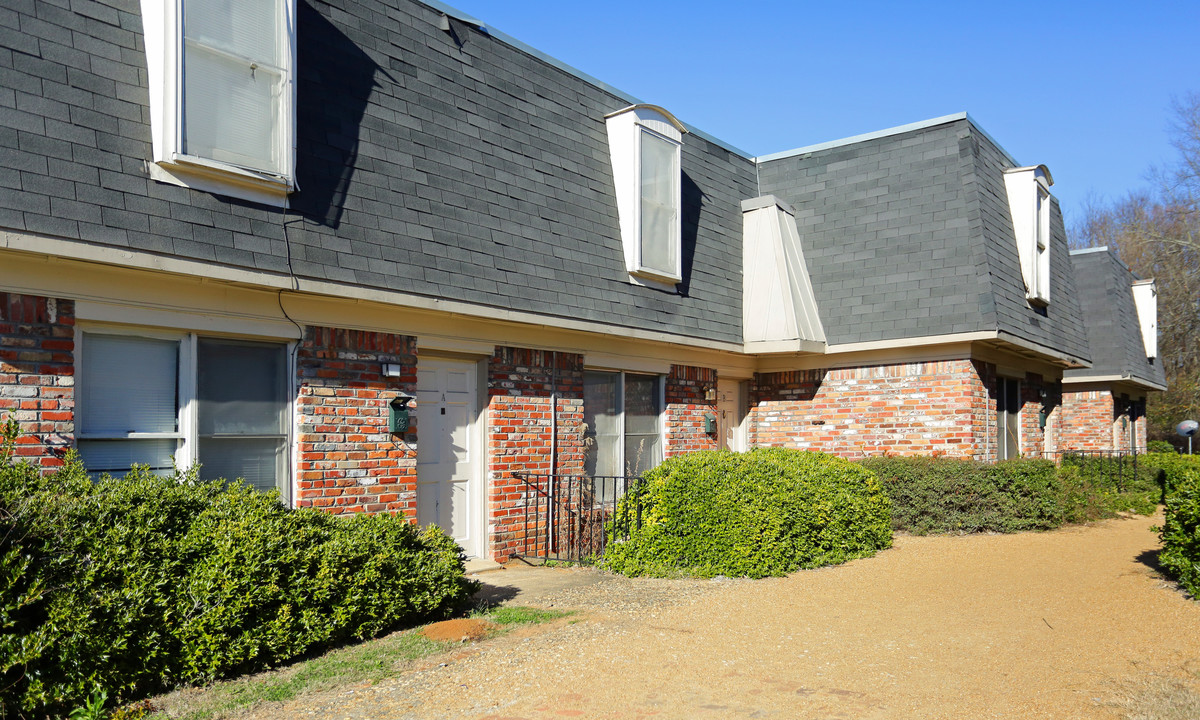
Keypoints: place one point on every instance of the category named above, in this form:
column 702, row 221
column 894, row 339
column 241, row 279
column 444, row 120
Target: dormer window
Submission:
column 1028, row 192
column 222, row 95
column 645, row 144
column 1145, row 301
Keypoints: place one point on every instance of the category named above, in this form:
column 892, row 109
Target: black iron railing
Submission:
column 1118, row 468
column 572, row 517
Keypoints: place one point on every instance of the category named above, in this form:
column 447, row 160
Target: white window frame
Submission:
column 187, row 400
column 626, row 128
column 660, row 424
column 163, row 25
column 1029, row 202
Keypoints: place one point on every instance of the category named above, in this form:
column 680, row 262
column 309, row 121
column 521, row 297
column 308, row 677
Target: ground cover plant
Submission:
column 134, row 584
column 938, row 495
column 765, row 512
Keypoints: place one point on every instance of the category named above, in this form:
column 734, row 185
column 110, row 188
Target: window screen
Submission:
column 241, row 392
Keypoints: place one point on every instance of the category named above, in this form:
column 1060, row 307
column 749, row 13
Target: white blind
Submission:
column 659, row 197
column 248, row 28
column 128, row 384
column 233, row 82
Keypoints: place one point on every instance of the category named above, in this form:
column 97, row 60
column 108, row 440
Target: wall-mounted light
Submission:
column 391, row 369
column 710, row 394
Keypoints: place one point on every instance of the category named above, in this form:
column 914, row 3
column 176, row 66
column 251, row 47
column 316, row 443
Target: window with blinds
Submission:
column 173, row 402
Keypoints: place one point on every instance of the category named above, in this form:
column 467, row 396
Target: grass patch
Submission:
column 519, row 615
column 1157, row 697
column 371, row 661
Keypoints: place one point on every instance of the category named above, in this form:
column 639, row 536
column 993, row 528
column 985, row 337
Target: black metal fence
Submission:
column 571, row 517
column 1117, row 468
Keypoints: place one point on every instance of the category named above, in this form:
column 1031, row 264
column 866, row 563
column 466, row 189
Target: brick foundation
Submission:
column 349, row 462
column 686, row 408
column 521, row 383
column 931, row 408
column 37, row 374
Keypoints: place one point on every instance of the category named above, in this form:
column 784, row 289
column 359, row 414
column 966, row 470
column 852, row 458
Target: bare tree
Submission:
column 1158, row 236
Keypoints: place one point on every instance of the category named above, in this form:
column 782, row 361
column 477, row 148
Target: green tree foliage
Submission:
column 1157, row 233
column 765, row 512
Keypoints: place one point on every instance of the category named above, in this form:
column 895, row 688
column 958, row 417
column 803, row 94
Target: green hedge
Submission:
column 1169, row 468
column 765, row 512
column 931, row 495
column 935, row 495
column 135, row 584
column 1180, row 534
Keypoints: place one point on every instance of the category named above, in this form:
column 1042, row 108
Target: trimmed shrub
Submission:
column 935, row 495
column 1169, row 468
column 1160, row 446
column 135, row 584
column 1180, row 533
column 765, row 512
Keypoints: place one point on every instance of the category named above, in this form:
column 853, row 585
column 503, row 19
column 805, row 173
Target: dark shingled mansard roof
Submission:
column 463, row 165
column 908, row 234
column 1114, row 334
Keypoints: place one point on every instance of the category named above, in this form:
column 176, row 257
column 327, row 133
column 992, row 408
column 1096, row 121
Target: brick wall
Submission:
column 521, row 419
column 686, row 407
column 349, row 462
column 1094, row 419
column 908, row 409
column 37, row 374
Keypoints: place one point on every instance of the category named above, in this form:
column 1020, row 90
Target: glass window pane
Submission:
column 258, row 461
column 249, row 28
column 601, row 414
column 117, row 456
column 231, row 111
column 642, row 452
column 659, row 203
column 241, row 388
column 642, row 406
column 128, row 384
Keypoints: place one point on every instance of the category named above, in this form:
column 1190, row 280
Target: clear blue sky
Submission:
column 1084, row 87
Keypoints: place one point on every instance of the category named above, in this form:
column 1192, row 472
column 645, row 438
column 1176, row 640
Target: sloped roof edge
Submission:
column 910, row 127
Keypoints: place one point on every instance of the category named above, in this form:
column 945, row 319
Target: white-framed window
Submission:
column 623, row 417
column 222, row 95
column 1008, row 418
column 175, row 399
column 1029, row 203
column 646, row 146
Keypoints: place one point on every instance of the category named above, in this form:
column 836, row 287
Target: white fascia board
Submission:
column 981, row 336
column 1077, row 379
column 1145, row 300
column 629, row 363
column 71, row 249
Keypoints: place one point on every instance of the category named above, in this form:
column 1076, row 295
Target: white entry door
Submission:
column 449, row 452
column 731, row 415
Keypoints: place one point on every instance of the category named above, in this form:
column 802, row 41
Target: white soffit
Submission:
column 777, row 297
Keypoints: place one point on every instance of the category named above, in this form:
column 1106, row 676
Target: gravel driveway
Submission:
column 1034, row 625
